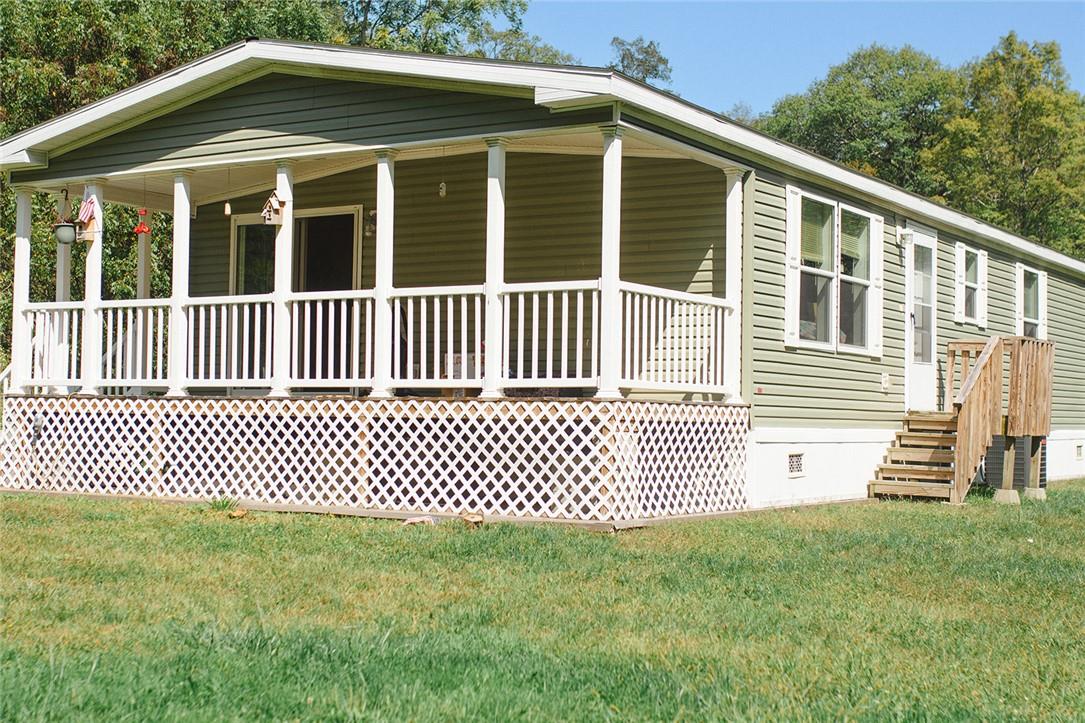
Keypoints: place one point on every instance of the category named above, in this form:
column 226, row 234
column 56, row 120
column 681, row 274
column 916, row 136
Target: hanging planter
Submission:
column 64, row 228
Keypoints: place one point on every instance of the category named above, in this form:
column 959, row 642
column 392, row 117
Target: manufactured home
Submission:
column 406, row 283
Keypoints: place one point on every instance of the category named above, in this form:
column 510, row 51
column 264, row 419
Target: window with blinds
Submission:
column 835, row 269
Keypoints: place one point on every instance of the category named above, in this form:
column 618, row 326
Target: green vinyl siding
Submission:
column 672, row 222
column 291, row 114
column 1066, row 327
column 814, row 388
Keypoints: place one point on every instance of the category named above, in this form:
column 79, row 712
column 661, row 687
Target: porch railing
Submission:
column 230, row 341
column 332, row 335
column 56, row 343
column 135, row 338
column 551, row 332
column 437, row 336
column 673, row 340
column 552, row 337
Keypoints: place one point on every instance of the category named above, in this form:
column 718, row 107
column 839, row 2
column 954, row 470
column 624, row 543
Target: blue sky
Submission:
column 723, row 53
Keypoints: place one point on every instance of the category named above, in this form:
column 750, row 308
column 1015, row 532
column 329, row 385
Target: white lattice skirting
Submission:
column 577, row 460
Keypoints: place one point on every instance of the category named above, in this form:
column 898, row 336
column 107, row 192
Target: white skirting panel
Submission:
column 836, row 464
column 1066, row 454
column 575, row 460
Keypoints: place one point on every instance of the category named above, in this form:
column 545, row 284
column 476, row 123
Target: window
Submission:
column 330, row 234
column 834, row 280
column 254, row 271
column 1031, row 302
column 970, row 298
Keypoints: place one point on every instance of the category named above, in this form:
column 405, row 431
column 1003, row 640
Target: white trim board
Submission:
column 554, row 86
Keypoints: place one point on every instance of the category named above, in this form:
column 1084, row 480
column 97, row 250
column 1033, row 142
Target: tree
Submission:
column 1013, row 152
column 515, row 44
column 875, row 112
column 640, row 59
column 425, row 26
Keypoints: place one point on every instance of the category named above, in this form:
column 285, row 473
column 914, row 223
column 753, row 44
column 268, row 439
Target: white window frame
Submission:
column 1019, row 317
column 252, row 219
column 792, row 281
column 961, row 284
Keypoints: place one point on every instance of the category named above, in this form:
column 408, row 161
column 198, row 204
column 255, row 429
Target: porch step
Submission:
column 914, row 472
column 909, row 489
column 920, row 461
column 922, row 455
column 930, row 422
column 939, row 440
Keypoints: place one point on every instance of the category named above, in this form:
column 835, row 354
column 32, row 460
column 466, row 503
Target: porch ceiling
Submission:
column 232, row 179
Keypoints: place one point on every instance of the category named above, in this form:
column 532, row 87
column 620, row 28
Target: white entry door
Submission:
column 922, row 319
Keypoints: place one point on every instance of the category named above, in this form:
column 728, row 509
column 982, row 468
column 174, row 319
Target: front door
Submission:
column 922, row 319
column 325, row 259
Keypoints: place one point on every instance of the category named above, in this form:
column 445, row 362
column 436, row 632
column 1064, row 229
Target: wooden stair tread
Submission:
column 910, row 489
column 948, row 438
column 924, row 425
column 920, row 454
column 930, row 415
column 914, row 471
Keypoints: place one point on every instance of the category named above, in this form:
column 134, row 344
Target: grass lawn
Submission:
column 141, row 611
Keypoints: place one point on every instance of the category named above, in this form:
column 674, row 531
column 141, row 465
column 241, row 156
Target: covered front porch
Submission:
column 597, row 262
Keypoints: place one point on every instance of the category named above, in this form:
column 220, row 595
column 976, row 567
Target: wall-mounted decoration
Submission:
column 88, row 218
column 273, row 210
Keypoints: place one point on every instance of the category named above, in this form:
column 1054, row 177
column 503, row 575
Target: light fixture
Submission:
column 226, row 208
column 64, row 229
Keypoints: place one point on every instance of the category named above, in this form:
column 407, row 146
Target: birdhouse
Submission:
column 273, row 210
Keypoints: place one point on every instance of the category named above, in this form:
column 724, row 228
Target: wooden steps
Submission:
column 920, row 462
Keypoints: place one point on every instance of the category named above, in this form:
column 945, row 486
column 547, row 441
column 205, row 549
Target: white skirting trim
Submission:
column 1066, row 454
column 575, row 460
column 834, row 464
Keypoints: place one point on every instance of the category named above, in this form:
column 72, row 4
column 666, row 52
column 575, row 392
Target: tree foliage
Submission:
column 1002, row 138
column 1013, row 152
column 874, row 112
column 641, row 59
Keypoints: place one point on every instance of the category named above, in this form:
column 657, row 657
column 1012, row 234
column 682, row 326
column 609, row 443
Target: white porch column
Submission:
column 91, row 357
column 382, row 287
column 284, row 272
column 178, row 334
column 732, row 324
column 143, row 266
column 20, row 326
column 495, row 268
column 64, row 260
column 610, row 316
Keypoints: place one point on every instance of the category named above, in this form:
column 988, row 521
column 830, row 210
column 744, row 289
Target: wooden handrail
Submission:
column 979, row 402
column 979, row 416
column 1032, row 366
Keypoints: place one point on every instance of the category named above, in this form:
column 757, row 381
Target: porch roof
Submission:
column 554, row 87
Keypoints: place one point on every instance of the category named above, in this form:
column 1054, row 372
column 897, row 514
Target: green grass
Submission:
column 139, row 611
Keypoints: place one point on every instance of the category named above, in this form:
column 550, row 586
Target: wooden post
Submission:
column 610, row 297
column 284, row 270
column 495, row 268
column 178, row 333
column 20, row 326
column 382, row 287
column 91, row 358
column 732, row 324
column 1033, row 490
column 1005, row 493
